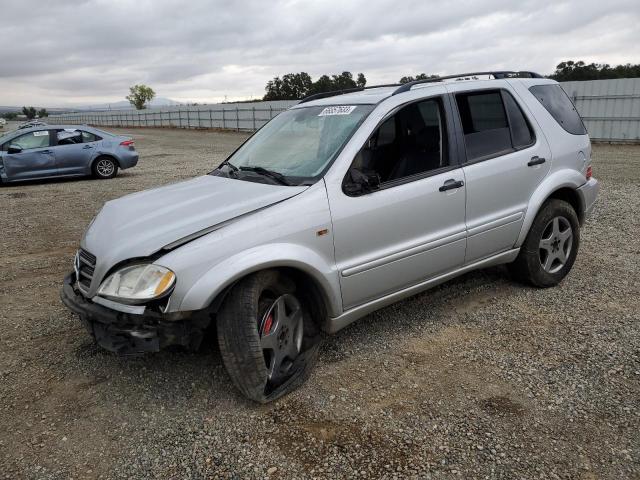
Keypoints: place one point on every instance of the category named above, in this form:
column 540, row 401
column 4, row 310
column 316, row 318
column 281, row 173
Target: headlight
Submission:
column 138, row 283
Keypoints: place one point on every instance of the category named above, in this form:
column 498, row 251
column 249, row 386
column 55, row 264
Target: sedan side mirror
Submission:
column 14, row 149
column 358, row 183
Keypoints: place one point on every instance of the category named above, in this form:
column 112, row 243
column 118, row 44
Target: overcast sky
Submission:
column 60, row 53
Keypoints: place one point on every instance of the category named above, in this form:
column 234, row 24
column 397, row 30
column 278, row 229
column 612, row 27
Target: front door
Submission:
column 506, row 160
column 34, row 160
column 412, row 227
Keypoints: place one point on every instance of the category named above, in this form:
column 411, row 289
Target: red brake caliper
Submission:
column 268, row 323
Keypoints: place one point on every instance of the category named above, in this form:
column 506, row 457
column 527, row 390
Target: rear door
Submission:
column 35, row 160
column 507, row 157
column 74, row 151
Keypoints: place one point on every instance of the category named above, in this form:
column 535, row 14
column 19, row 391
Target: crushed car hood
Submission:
column 141, row 224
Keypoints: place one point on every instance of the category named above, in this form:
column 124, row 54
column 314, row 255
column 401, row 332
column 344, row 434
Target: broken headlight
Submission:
column 137, row 284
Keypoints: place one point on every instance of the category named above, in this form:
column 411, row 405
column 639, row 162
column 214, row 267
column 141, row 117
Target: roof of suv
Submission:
column 375, row 94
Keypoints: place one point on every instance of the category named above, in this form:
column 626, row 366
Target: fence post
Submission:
column 224, row 120
column 254, row 117
column 198, row 110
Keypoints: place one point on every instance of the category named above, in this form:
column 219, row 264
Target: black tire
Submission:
column 528, row 266
column 239, row 337
column 104, row 168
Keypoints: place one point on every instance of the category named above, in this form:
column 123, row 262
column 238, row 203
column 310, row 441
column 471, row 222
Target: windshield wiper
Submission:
column 278, row 177
column 228, row 164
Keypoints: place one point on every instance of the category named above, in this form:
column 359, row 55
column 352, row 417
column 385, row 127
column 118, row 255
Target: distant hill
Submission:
column 125, row 105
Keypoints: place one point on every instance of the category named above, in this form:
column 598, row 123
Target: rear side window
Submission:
column 88, row 137
column 561, row 108
column 493, row 124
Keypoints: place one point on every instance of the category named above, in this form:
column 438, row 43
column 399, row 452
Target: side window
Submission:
column 559, row 105
column 493, row 124
column 411, row 142
column 521, row 132
column 88, row 137
column 69, row 137
column 28, row 141
column 484, row 123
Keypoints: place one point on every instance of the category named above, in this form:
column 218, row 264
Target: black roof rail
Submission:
column 332, row 93
column 496, row 75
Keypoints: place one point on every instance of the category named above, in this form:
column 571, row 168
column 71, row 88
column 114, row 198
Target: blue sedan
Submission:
column 63, row 151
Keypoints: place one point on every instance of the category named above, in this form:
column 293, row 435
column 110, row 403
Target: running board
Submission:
column 350, row 316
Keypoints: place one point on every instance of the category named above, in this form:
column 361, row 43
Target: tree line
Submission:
column 295, row 86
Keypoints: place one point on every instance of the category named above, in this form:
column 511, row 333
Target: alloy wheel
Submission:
column 281, row 330
column 105, row 167
column 555, row 244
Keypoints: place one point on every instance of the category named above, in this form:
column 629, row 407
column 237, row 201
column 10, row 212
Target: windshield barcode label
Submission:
column 339, row 110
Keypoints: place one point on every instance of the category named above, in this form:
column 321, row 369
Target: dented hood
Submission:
column 140, row 224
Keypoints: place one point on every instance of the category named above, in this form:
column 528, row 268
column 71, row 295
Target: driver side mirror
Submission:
column 14, row 149
column 358, row 183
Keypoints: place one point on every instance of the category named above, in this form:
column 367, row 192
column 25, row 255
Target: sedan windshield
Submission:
column 299, row 143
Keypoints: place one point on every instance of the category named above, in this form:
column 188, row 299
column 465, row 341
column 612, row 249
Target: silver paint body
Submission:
column 380, row 247
column 62, row 160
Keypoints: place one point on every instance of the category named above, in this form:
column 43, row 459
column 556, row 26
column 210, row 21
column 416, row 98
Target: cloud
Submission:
column 69, row 52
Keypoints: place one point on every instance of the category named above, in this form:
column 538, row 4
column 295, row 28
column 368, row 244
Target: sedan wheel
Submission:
column 105, row 167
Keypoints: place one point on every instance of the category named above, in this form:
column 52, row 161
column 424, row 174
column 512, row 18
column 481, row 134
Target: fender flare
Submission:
column 564, row 178
column 224, row 274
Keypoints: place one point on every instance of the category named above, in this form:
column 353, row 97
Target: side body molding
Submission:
column 274, row 255
column 563, row 178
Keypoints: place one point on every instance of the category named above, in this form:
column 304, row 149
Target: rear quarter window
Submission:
column 560, row 106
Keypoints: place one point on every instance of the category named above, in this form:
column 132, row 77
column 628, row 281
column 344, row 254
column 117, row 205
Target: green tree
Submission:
column 294, row 86
column 420, row 76
column 29, row 112
column 570, row 70
column 9, row 115
column 140, row 95
column 42, row 113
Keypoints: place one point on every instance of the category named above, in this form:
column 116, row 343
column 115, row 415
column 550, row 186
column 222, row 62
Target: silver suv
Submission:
column 343, row 204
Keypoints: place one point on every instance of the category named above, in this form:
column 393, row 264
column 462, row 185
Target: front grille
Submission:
column 86, row 267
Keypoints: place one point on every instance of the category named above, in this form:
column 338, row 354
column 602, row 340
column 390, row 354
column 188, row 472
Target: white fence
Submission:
column 236, row 116
column 610, row 110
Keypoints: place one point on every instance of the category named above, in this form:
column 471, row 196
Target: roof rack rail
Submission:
column 496, row 75
column 332, row 93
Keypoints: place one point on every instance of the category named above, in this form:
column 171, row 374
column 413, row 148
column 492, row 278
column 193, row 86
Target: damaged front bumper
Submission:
column 131, row 334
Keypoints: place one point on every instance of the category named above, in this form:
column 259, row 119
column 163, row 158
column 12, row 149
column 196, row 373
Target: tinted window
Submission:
column 411, row 142
column 484, row 122
column 521, row 133
column 558, row 104
column 32, row 140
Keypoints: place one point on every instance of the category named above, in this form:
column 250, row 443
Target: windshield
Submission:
column 299, row 143
column 6, row 134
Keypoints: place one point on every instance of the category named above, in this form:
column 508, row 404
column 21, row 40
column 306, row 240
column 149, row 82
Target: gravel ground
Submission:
column 479, row 378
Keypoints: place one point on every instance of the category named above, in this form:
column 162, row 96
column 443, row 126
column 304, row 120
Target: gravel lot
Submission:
column 479, row 378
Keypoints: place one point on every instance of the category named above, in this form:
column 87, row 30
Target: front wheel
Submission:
column 104, row 168
column 267, row 338
column 551, row 247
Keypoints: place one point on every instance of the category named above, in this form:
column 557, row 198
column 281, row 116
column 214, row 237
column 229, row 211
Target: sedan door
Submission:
column 410, row 228
column 29, row 156
column 73, row 155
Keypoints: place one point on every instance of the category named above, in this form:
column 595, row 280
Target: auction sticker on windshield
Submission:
column 337, row 110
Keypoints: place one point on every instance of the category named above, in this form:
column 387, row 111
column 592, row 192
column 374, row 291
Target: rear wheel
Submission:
column 268, row 340
column 105, row 167
column 551, row 247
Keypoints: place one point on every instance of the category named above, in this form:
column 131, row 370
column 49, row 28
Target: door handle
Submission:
column 451, row 184
column 87, row 147
column 536, row 161
column 45, row 151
